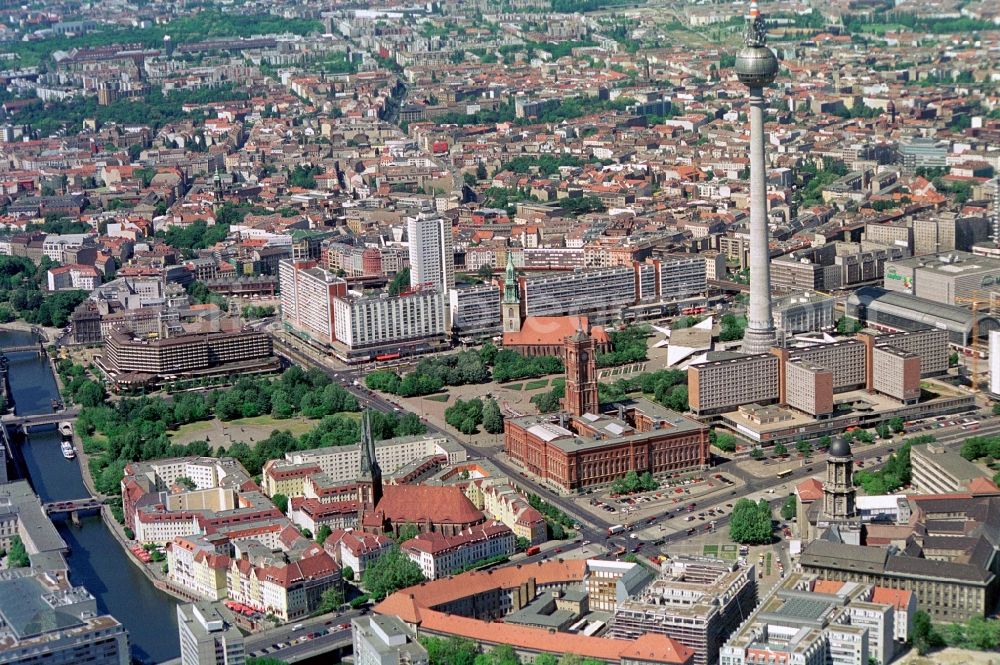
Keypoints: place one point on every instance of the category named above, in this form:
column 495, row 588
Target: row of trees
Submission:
column 632, row 482
column 895, row 473
column 462, row 651
column 77, row 386
column 557, row 521
column 977, row 633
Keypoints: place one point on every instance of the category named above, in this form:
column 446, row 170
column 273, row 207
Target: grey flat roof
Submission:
column 949, row 460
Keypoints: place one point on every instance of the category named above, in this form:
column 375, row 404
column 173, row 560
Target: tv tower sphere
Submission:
column 756, row 64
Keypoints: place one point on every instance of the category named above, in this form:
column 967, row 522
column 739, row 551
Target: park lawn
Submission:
column 535, row 385
column 710, row 550
column 768, row 565
column 559, row 382
column 512, row 386
column 191, row 428
column 442, row 397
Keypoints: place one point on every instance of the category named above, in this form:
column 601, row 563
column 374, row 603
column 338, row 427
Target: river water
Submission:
column 97, row 561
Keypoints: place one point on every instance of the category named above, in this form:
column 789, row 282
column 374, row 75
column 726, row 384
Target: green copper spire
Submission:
column 510, row 295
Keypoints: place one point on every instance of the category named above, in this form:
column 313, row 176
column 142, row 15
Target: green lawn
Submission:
column 260, row 426
column 710, row 550
column 513, row 386
column 767, row 565
column 558, row 382
column 443, row 397
column 729, row 552
column 535, row 385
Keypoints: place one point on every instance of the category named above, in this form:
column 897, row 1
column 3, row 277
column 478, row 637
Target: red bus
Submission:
column 387, row 356
column 688, row 311
column 534, row 549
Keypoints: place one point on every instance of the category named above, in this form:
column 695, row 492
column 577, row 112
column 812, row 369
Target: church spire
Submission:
column 510, row 294
column 370, row 478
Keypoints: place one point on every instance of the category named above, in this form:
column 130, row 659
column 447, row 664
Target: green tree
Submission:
column 281, row 502
column 90, row 393
column 399, row 282
column 803, row 446
column 331, row 599
column 750, row 523
column 757, row 454
column 897, row 424
column 780, row 449
column 953, row 359
column 347, row 574
column 392, row 571
column 788, row 509
column 406, row 531
column 492, row 418
column 17, row 555
column 265, row 661
column 725, row 442
column 322, row 533
column 450, row 651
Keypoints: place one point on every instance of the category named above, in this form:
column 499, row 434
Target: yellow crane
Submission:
column 978, row 301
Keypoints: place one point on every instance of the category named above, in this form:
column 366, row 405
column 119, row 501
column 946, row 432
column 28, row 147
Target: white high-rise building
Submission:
column 432, row 255
column 995, row 362
column 208, row 636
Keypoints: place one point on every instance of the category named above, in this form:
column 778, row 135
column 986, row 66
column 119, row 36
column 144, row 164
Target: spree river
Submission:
column 96, row 561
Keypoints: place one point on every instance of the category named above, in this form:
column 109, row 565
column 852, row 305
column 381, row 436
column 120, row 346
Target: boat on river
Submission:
column 68, row 451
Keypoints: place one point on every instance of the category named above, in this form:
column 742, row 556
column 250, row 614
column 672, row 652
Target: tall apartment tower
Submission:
column 432, row 255
column 581, row 374
column 756, row 67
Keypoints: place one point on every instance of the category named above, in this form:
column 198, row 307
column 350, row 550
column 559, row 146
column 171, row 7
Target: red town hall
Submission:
column 585, row 445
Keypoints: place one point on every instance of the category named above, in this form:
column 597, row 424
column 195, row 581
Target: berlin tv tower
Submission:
column 756, row 67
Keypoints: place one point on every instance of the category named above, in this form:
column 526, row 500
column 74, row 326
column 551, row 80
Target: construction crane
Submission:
column 978, row 301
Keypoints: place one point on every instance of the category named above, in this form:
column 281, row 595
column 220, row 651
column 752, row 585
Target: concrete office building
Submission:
column 947, row 232
column 133, row 360
column 805, row 312
column 432, row 256
column 809, row 388
column 208, row 635
column 954, row 278
column 717, row 386
column 939, row 470
column 896, row 373
column 810, row 621
column 385, row 640
column 721, row 385
column 594, row 291
column 45, row 621
column 475, row 312
column 307, row 294
column 366, row 326
column 698, row 602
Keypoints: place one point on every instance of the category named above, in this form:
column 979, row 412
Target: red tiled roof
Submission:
column 414, row 605
column 895, row 597
column 416, row 504
column 537, row 330
column 809, row 489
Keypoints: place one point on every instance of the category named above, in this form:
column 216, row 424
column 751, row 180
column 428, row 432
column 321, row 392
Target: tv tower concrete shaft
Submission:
column 756, row 67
